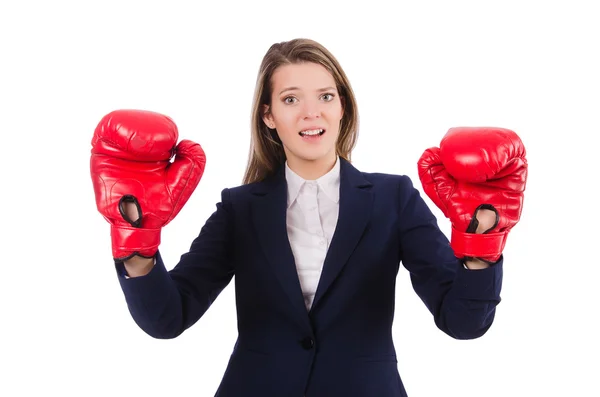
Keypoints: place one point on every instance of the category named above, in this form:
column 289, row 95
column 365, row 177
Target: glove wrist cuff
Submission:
column 130, row 241
column 487, row 246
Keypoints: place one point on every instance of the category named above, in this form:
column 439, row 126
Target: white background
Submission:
column 417, row 69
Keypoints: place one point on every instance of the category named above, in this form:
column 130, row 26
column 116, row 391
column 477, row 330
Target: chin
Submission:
column 311, row 154
column 315, row 156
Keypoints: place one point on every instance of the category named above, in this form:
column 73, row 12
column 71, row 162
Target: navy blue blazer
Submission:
column 343, row 346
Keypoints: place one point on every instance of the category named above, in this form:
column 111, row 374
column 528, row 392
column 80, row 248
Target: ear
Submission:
column 343, row 102
column 267, row 116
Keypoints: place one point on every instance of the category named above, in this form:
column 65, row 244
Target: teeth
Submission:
column 311, row 132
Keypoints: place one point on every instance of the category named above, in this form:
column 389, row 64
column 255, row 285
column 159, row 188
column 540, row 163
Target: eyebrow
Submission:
column 296, row 88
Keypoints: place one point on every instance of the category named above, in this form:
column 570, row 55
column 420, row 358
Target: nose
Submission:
column 311, row 109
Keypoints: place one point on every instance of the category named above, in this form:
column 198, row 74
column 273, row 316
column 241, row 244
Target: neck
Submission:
column 311, row 170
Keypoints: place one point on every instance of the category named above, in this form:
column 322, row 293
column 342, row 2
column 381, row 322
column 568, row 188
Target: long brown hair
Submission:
column 266, row 150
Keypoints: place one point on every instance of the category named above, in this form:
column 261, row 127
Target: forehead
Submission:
column 304, row 76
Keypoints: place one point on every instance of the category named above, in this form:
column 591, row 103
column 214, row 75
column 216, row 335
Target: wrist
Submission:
column 138, row 266
column 475, row 264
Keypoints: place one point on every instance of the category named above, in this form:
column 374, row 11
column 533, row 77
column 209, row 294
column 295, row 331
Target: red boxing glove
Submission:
column 476, row 168
column 130, row 162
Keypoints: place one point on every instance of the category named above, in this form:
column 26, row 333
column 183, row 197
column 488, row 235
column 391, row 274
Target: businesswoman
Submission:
column 314, row 243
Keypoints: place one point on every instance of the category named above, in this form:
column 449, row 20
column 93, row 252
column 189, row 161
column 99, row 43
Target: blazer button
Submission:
column 307, row 343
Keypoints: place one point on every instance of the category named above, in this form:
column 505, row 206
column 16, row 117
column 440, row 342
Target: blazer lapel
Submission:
column 269, row 213
column 354, row 214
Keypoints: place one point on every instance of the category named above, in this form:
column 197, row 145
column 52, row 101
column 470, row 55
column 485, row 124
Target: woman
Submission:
column 314, row 243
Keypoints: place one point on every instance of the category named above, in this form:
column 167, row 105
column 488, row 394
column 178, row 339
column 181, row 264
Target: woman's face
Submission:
column 306, row 111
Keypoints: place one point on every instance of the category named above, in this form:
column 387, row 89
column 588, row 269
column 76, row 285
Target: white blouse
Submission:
column 312, row 214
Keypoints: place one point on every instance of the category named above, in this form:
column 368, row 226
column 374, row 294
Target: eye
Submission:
column 328, row 97
column 289, row 100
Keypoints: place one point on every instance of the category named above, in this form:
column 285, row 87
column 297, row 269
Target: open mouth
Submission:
column 312, row 133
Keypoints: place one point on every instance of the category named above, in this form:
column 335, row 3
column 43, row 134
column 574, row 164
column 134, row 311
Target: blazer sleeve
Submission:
column 463, row 302
column 166, row 303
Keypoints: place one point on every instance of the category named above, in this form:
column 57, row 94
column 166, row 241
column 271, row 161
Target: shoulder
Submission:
column 235, row 193
column 245, row 192
column 402, row 183
column 241, row 190
column 395, row 189
column 350, row 173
